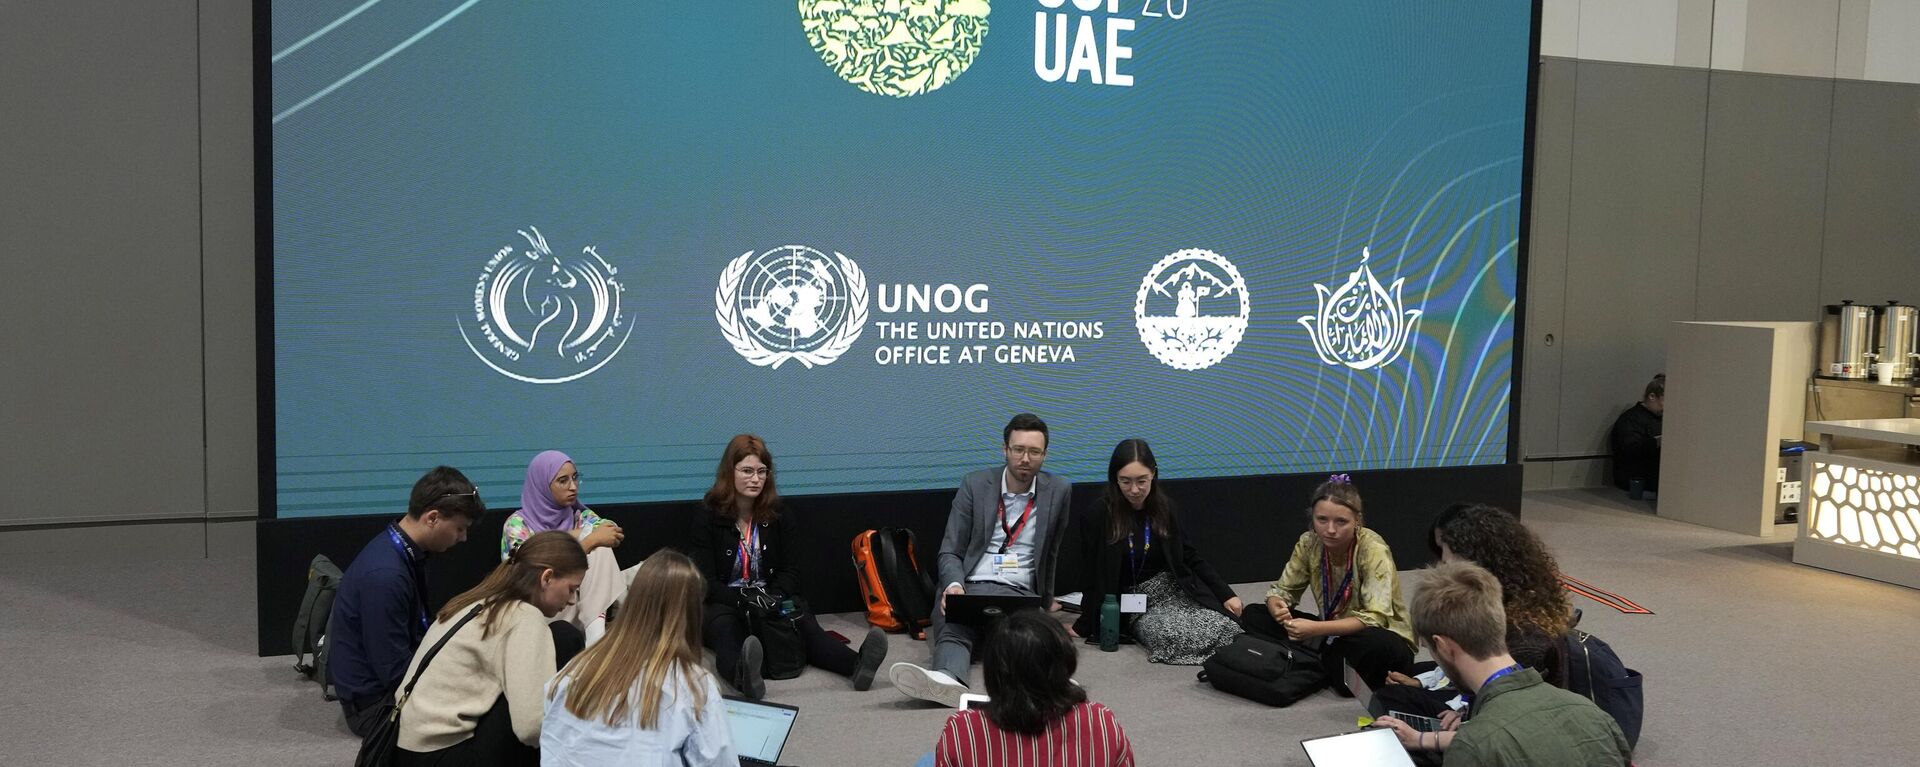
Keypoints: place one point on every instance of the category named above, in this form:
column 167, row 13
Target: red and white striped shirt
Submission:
column 1086, row 737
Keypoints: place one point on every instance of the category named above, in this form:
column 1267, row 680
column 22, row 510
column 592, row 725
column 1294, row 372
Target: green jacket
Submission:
column 1520, row 720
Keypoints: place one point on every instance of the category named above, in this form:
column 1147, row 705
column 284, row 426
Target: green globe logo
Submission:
column 896, row 48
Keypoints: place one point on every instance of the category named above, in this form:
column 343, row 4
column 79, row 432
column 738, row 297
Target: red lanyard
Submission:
column 750, row 553
column 1013, row 534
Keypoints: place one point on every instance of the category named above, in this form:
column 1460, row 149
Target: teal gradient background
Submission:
column 674, row 136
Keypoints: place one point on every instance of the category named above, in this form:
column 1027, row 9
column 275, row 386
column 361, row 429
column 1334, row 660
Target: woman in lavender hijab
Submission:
column 550, row 500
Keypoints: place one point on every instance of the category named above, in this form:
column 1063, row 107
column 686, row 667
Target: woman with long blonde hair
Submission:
column 639, row 696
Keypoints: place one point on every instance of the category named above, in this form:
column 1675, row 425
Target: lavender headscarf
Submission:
column 537, row 506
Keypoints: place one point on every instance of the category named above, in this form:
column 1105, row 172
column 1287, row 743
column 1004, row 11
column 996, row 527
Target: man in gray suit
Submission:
column 1003, row 538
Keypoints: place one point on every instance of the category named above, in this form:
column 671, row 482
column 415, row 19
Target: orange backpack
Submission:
column 899, row 595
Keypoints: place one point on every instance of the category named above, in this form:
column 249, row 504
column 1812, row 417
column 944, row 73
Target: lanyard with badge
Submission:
column 1005, row 562
column 749, row 556
column 412, row 555
column 1136, row 603
column 1330, row 600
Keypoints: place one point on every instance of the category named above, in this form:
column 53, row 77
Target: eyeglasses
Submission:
column 1030, row 452
column 569, row 479
column 753, row 471
column 474, row 493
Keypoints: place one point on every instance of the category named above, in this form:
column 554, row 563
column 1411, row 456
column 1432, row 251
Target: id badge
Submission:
column 1006, row 563
column 1133, row 604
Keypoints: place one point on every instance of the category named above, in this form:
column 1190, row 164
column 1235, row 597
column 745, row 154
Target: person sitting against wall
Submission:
column 550, row 500
column 1133, row 542
column 1035, row 715
column 1536, row 606
column 1362, row 620
column 1515, row 717
column 1635, row 439
column 640, row 696
column 479, row 701
column 745, row 545
column 380, row 611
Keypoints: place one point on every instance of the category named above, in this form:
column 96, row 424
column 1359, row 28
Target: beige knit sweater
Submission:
column 470, row 673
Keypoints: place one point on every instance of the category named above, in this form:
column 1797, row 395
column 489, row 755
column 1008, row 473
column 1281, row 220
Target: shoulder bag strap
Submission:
column 428, row 658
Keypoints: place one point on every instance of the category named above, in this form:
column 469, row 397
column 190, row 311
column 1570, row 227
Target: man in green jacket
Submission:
column 1515, row 718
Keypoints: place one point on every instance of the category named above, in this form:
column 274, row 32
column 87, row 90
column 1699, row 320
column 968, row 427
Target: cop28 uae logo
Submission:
column 791, row 303
column 1191, row 309
column 896, row 48
column 544, row 318
column 1362, row 324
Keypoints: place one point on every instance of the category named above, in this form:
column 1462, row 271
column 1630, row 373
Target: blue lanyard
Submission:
column 1330, row 602
column 405, row 547
column 1490, row 677
column 1133, row 558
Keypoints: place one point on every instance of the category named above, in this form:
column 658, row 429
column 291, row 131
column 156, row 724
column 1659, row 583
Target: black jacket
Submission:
column 1635, row 440
column 714, row 547
column 1105, row 563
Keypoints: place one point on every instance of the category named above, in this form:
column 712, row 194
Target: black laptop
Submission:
column 981, row 610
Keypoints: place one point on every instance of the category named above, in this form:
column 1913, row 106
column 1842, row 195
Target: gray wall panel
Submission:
column 226, row 115
column 1873, row 195
column 1764, row 209
column 1547, row 258
column 102, row 235
column 1638, row 155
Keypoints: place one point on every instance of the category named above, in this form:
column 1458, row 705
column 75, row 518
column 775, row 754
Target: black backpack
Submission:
column 1595, row 671
column 1261, row 669
column 898, row 594
column 310, row 622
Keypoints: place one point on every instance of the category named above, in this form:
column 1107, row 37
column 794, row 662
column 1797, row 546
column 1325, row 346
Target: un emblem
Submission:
column 1362, row 324
column 791, row 303
column 1191, row 309
column 543, row 318
column 896, row 48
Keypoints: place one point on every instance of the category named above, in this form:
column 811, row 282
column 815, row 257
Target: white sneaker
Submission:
column 935, row 686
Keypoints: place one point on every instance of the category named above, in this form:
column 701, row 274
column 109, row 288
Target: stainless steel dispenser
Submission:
column 1896, row 338
column 1846, row 341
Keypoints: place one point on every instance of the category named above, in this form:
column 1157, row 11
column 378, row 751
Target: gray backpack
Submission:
column 310, row 622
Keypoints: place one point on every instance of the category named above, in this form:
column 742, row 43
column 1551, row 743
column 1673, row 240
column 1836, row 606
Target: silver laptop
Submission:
column 760, row 729
column 1373, row 747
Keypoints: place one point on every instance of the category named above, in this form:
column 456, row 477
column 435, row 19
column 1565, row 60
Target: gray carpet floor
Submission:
column 1750, row 660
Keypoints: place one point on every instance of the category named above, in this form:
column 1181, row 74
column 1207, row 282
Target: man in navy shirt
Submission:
column 380, row 612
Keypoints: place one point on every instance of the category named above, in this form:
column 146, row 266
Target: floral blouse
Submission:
column 516, row 531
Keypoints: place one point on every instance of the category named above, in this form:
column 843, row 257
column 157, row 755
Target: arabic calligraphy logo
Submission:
column 1185, row 309
column 546, row 319
column 791, row 303
column 896, row 48
column 1362, row 325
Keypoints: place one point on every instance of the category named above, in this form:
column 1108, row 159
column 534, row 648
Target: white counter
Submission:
column 1862, row 512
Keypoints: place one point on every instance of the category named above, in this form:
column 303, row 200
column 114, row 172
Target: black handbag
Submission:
column 776, row 622
column 376, row 750
column 1261, row 669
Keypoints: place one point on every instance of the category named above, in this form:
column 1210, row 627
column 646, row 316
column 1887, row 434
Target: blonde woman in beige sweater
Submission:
column 479, row 702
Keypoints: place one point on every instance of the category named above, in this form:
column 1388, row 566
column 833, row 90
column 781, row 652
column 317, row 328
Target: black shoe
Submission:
column 873, row 652
column 747, row 677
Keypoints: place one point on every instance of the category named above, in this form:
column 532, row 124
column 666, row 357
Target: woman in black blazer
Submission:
column 740, row 542
column 1132, row 543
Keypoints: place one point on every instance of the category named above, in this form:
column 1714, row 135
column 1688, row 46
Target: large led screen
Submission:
column 1268, row 236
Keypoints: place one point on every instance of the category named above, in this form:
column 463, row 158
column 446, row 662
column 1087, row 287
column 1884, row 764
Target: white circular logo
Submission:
column 1191, row 309
column 791, row 303
column 896, row 47
column 546, row 319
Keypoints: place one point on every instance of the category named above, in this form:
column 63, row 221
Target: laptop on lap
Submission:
column 760, row 729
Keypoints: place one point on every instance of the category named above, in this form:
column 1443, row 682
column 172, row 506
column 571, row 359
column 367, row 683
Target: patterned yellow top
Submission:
column 1376, row 597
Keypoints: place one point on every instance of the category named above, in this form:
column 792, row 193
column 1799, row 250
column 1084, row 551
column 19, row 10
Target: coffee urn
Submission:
column 1846, row 341
column 1896, row 338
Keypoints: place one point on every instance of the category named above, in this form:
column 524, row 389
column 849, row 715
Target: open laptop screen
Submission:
column 760, row 729
column 1366, row 748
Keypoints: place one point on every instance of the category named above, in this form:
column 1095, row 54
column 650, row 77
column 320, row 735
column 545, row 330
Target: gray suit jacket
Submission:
column 976, row 512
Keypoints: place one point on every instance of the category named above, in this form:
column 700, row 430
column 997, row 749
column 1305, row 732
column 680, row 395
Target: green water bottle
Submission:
column 1110, row 623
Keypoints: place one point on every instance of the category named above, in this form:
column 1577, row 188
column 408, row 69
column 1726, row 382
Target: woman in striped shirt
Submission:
column 1035, row 715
